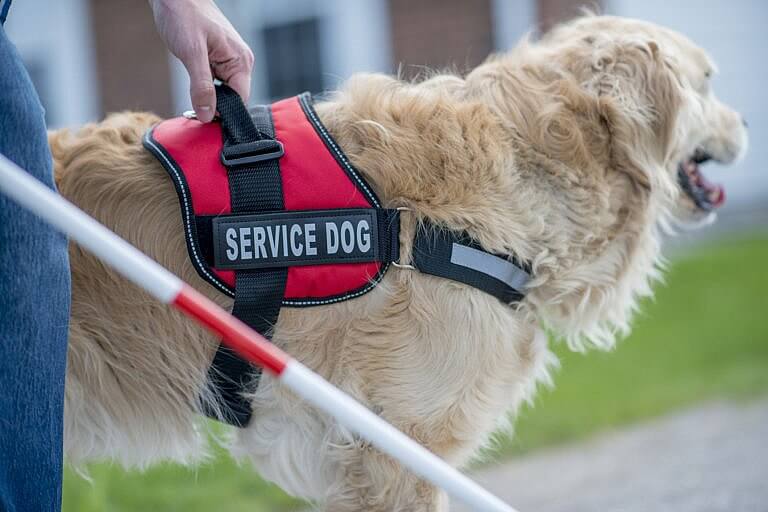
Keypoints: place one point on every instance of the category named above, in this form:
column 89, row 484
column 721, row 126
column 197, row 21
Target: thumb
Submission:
column 201, row 89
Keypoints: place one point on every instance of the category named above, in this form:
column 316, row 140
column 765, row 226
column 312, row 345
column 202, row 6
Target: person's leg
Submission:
column 34, row 311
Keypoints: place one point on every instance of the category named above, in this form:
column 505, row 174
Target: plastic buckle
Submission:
column 252, row 152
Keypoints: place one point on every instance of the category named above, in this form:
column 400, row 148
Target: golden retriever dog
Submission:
column 572, row 153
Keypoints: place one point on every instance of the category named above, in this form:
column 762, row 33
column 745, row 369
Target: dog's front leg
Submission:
column 309, row 457
column 371, row 481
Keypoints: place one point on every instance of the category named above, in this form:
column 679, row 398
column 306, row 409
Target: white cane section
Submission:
column 87, row 232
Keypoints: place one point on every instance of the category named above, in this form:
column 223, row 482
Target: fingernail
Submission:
column 204, row 114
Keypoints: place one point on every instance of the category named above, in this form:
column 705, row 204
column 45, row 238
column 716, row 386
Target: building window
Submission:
column 293, row 58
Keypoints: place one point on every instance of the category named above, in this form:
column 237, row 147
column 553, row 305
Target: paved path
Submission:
column 709, row 459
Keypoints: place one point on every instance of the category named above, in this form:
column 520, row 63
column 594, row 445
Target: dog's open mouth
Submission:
column 706, row 195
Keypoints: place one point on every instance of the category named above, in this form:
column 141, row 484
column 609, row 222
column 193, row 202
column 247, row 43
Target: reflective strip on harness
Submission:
column 494, row 266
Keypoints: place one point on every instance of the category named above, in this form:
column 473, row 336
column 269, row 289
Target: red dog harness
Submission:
column 275, row 215
column 313, row 174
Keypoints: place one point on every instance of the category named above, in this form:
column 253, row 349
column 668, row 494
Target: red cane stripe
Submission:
column 234, row 333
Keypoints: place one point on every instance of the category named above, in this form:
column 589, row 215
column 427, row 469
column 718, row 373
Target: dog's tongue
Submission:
column 719, row 199
column 715, row 191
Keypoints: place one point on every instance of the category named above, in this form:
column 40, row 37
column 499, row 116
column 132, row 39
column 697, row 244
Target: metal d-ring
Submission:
column 190, row 114
column 396, row 264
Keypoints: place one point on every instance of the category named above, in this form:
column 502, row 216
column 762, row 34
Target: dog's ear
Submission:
column 639, row 99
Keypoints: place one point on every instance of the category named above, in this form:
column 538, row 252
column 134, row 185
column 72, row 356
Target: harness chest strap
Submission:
column 254, row 186
column 279, row 217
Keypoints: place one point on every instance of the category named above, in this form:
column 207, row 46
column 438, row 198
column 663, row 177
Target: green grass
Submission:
column 219, row 486
column 705, row 336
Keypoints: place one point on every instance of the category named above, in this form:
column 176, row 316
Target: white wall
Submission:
column 734, row 33
column 512, row 19
column 56, row 37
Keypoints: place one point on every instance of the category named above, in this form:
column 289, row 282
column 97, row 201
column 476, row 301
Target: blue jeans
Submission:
column 34, row 311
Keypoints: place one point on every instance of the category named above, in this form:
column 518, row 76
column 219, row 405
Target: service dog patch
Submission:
column 295, row 238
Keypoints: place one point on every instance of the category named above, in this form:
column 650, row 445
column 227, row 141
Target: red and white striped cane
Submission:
column 166, row 287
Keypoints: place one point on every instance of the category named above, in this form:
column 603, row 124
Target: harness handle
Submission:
column 235, row 119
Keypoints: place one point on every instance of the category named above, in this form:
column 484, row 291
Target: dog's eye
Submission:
column 708, row 74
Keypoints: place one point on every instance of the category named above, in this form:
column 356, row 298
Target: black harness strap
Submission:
column 250, row 155
column 458, row 257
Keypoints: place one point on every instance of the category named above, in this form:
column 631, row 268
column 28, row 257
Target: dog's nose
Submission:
column 744, row 122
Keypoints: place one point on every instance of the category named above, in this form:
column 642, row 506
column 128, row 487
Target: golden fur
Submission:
column 562, row 152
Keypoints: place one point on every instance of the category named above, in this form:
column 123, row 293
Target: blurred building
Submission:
column 89, row 57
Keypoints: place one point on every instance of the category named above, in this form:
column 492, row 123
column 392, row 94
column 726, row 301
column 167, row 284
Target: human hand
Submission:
column 207, row 44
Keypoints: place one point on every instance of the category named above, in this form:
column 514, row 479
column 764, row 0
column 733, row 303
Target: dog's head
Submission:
column 656, row 85
column 619, row 115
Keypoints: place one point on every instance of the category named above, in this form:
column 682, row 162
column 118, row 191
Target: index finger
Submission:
column 241, row 83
